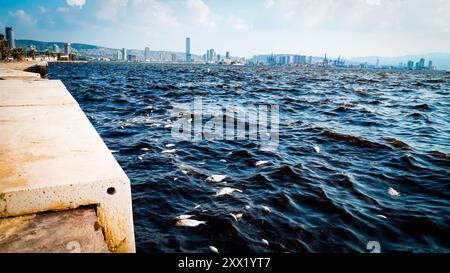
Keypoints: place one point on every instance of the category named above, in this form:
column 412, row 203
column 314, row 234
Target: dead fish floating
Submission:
column 261, row 163
column 264, row 241
column 169, row 151
column 392, row 192
column 189, row 223
column 316, row 149
column 216, row 178
column 236, row 217
column 184, row 217
column 381, row 216
column 227, row 191
column 213, row 249
column 266, row 209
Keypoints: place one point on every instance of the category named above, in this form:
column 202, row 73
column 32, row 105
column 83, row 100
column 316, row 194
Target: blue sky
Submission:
column 339, row 27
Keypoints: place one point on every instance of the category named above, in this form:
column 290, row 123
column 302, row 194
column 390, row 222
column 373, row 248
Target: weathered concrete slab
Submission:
column 73, row 231
column 51, row 158
column 17, row 93
column 6, row 73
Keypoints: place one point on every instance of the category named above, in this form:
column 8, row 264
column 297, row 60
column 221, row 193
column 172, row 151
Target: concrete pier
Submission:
column 52, row 159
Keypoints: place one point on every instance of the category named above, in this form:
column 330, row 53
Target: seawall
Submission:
column 61, row 189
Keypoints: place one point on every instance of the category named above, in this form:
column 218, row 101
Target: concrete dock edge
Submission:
column 52, row 159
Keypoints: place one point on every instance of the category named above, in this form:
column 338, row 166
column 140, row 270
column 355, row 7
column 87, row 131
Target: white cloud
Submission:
column 363, row 15
column 238, row 23
column 109, row 9
column 152, row 12
column 42, row 9
column 269, row 3
column 201, row 13
column 23, row 17
column 76, row 3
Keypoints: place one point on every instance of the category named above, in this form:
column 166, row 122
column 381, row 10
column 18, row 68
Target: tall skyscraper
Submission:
column 430, row 65
column 211, row 56
column 10, row 37
column 119, row 55
column 124, row 54
column 147, row 54
column 67, row 48
column 188, row 49
column 422, row 63
column 410, row 65
column 227, row 55
column 310, row 60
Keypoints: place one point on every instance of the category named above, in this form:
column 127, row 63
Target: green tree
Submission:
column 4, row 50
column 72, row 57
column 18, row 53
column 31, row 53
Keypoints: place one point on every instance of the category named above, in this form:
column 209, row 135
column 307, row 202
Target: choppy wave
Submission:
column 363, row 156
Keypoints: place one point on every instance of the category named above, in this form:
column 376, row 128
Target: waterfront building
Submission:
column 55, row 48
column 124, row 54
column 299, row 59
column 410, row 65
column 67, row 48
column 211, row 56
column 147, row 54
column 227, row 55
column 132, row 58
column 271, row 60
column 310, row 60
column 420, row 64
column 430, row 65
column 188, row 49
column 10, row 37
column 119, row 55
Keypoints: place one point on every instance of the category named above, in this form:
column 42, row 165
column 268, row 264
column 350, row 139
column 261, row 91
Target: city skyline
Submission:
column 350, row 28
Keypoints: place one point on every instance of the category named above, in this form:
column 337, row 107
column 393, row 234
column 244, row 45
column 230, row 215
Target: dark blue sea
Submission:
column 382, row 174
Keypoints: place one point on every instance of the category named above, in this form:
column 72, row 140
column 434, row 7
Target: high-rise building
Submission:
column 147, row 54
column 227, row 55
column 188, row 49
column 10, row 37
column 211, row 56
column 67, row 48
column 310, row 60
column 299, row 59
column 430, row 65
column 119, row 55
column 421, row 64
column 124, row 54
column 132, row 58
column 377, row 63
column 410, row 65
column 55, row 48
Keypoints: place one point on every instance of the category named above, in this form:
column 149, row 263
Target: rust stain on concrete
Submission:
column 11, row 166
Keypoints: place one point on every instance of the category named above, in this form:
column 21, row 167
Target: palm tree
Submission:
column 4, row 50
column 18, row 53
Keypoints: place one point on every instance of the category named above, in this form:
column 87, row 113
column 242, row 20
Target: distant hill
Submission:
column 94, row 51
column 440, row 60
column 43, row 46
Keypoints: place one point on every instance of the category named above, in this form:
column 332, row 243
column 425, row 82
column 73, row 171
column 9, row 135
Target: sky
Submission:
column 350, row 28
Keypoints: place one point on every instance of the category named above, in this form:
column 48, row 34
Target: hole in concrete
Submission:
column 111, row 191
